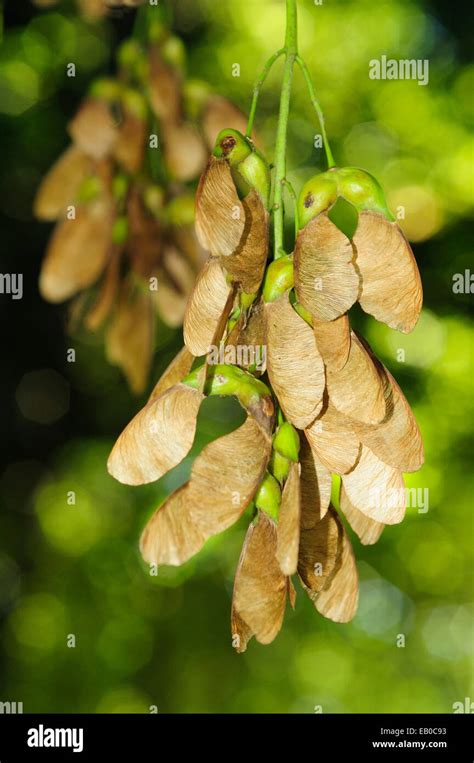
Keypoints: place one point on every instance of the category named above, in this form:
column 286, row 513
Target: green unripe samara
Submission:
column 278, row 278
column 286, row 442
column 250, row 169
column 268, row 496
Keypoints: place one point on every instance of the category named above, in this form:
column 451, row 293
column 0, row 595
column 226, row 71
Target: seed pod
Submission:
column 65, row 269
column 279, row 277
column 316, row 196
column 326, row 280
column 268, row 496
column 327, row 569
column 295, row 368
column 130, row 335
column 224, row 479
column 368, row 530
column 362, row 190
column 60, row 186
column 334, row 441
column 288, row 529
column 210, row 299
column 93, row 129
column 391, row 284
column 179, row 367
column 158, row 438
column 286, row 442
column 260, row 586
column 315, row 487
column 376, row 489
column 396, row 440
column 357, row 389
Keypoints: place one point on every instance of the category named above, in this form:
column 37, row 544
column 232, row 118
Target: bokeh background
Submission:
column 75, row 569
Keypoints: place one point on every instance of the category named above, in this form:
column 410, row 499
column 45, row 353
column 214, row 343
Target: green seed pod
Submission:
column 129, row 55
column 256, row 172
column 106, row 89
column 303, row 313
column 279, row 466
column 227, row 380
column 120, row 231
column 134, row 102
column 89, row 189
column 195, row 94
column 278, row 278
column 154, row 197
column 233, row 146
column 362, row 190
column 318, row 194
column 180, row 210
column 120, row 186
column 286, row 442
column 247, row 300
column 268, row 496
column 250, row 169
column 174, row 53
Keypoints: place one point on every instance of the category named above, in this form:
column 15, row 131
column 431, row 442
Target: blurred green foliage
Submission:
column 75, row 568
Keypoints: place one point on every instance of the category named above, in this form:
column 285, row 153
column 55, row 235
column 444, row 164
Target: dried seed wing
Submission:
column 205, row 308
column 368, row 530
column 220, row 215
column 339, row 599
column 60, row 185
column 295, row 367
column 77, row 253
column 93, row 129
column 357, row 389
column 179, row 367
column 334, row 441
column 158, row 438
column 260, row 586
column 376, row 489
column 129, row 338
column 391, row 284
column 326, row 280
column 247, row 263
column 320, row 552
column 333, row 339
column 397, row 439
column 223, row 481
column 170, row 303
column 241, row 633
column 315, row 486
column 288, row 529
column 129, row 148
column 184, row 151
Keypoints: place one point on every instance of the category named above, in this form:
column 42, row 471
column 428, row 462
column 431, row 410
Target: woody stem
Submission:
column 291, row 53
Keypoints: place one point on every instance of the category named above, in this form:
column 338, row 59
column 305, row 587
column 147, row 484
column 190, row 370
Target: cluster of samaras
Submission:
column 124, row 248
column 323, row 405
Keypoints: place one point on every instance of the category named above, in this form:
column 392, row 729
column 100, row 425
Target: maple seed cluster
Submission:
column 122, row 192
column 323, row 405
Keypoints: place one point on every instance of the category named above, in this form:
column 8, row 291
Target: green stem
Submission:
column 318, row 109
column 292, row 193
column 257, row 88
column 291, row 53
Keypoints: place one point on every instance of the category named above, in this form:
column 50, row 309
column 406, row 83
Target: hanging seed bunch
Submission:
column 124, row 248
column 318, row 401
